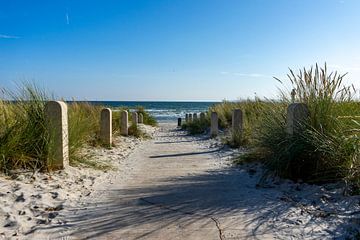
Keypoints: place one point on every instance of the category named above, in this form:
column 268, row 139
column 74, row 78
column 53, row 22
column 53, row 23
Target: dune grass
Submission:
column 134, row 130
column 23, row 136
column 25, row 142
column 197, row 126
column 148, row 119
column 329, row 147
column 253, row 115
column 84, row 129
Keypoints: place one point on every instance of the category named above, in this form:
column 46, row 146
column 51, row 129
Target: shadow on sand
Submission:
column 185, row 201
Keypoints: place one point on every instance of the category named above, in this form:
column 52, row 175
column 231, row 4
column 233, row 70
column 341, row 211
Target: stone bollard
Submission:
column 237, row 120
column 106, row 127
column 141, row 118
column 57, row 124
column 297, row 114
column 190, row 117
column 195, row 117
column 214, row 124
column 186, row 118
column 179, row 122
column 202, row 116
column 124, row 126
column 135, row 118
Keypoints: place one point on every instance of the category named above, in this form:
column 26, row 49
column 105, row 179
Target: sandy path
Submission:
column 177, row 187
column 181, row 187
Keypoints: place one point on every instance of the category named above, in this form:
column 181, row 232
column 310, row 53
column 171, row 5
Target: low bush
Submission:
column 148, row 119
column 197, row 126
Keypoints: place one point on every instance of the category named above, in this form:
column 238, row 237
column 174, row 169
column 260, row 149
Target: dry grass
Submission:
column 329, row 147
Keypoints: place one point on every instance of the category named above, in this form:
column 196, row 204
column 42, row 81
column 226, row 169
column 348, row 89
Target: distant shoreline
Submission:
column 162, row 111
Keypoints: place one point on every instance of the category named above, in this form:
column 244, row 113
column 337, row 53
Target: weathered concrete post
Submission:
column 195, row 117
column 190, row 117
column 297, row 114
column 179, row 122
column 202, row 116
column 57, row 125
column 214, row 131
column 124, row 127
column 135, row 118
column 186, row 118
column 237, row 120
column 141, row 118
column 106, row 126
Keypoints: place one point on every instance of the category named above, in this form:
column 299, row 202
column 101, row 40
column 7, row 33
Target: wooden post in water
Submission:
column 179, row 122
column 141, row 118
column 297, row 114
column 135, row 119
column 56, row 114
column 237, row 120
column 186, row 118
column 195, row 117
column 214, row 131
column 106, row 127
column 124, row 127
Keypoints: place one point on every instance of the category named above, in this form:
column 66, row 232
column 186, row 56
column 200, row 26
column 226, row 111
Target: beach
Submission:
column 173, row 186
column 182, row 119
column 31, row 200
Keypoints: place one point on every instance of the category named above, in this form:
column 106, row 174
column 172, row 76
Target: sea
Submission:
column 162, row 111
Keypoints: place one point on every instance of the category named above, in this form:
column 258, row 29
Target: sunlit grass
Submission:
column 197, row 126
column 25, row 140
column 84, row 129
column 23, row 136
column 329, row 147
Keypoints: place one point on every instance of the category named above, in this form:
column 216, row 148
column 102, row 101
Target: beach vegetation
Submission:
column 135, row 131
column 23, row 136
column 328, row 148
column 148, row 119
column 197, row 126
column 84, row 129
column 25, row 141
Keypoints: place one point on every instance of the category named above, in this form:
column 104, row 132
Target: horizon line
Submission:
column 143, row 100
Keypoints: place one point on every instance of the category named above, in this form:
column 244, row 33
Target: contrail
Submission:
column 8, row 36
column 67, row 19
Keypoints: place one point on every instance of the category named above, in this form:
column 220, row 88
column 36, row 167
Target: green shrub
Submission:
column 198, row 126
column 148, row 119
column 135, row 131
column 234, row 139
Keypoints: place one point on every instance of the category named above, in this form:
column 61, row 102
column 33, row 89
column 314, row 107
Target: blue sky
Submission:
column 173, row 50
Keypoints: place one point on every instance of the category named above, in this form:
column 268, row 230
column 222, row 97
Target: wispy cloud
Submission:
column 67, row 18
column 252, row 75
column 2, row 36
column 345, row 68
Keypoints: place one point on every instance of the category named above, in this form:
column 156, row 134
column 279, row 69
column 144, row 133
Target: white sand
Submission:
column 35, row 199
column 174, row 187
